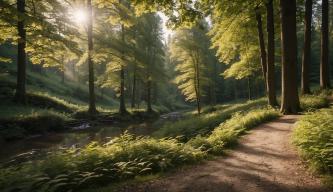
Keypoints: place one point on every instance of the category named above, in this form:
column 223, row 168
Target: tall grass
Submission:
column 18, row 121
column 228, row 132
column 313, row 135
column 94, row 165
column 203, row 124
column 313, row 102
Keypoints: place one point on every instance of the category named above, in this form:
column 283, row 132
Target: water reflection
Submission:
column 34, row 147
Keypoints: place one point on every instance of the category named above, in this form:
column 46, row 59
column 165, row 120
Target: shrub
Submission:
column 313, row 135
column 312, row 102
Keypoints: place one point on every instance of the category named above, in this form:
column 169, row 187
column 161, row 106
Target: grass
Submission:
column 124, row 157
column 17, row 121
column 227, row 133
column 203, row 124
column 313, row 102
column 313, row 136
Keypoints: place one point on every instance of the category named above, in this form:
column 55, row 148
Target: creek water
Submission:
column 46, row 143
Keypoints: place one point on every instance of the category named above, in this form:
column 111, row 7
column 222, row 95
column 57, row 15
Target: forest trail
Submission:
column 264, row 161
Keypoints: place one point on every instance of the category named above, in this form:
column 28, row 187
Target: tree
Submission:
column 122, row 105
column 92, row 105
column 235, row 38
column 187, row 48
column 289, row 97
column 270, row 81
column 152, row 57
column 324, row 68
column 21, row 54
column 117, row 14
column 36, row 26
column 263, row 54
column 306, row 58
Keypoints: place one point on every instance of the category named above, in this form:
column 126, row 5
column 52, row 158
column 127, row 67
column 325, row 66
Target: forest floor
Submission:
column 263, row 161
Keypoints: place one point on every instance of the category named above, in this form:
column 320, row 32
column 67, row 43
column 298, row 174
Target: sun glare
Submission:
column 80, row 16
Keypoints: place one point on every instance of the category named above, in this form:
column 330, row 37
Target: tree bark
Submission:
column 122, row 106
column 149, row 83
column 20, row 94
column 289, row 98
column 133, row 90
column 92, row 105
column 263, row 54
column 149, row 108
column 197, row 84
column 324, row 68
column 306, row 58
column 270, row 73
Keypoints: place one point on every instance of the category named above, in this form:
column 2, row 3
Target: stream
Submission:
column 35, row 146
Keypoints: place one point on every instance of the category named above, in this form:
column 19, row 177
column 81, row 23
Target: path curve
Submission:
column 264, row 161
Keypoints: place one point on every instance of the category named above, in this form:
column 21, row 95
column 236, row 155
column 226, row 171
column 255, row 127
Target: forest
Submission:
column 166, row 95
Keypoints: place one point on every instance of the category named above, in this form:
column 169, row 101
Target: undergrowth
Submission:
column 94, row 165
column 313, row 102
column 17, row 121
column 227, row 133
column 203, row 124
column 313, row 136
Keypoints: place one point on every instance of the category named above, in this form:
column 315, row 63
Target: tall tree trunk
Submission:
column 263, row 54
column 270, row 81
column 134, row 75
column 122, row 106
column 306, row 59
column 133, row 90
column 21, row 55
column 149, row 83
column 249, row 88
column 324, row 69
column 289, row 98
column 149, row 108
column 197, row 85
column 92, row 105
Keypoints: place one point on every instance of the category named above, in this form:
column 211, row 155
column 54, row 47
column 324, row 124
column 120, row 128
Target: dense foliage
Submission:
column 313, row 136
column 121, row 158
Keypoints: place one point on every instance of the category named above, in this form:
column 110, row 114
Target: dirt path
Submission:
column 265, row 161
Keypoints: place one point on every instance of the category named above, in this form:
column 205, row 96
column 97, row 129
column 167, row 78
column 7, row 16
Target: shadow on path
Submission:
column 264, row 161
